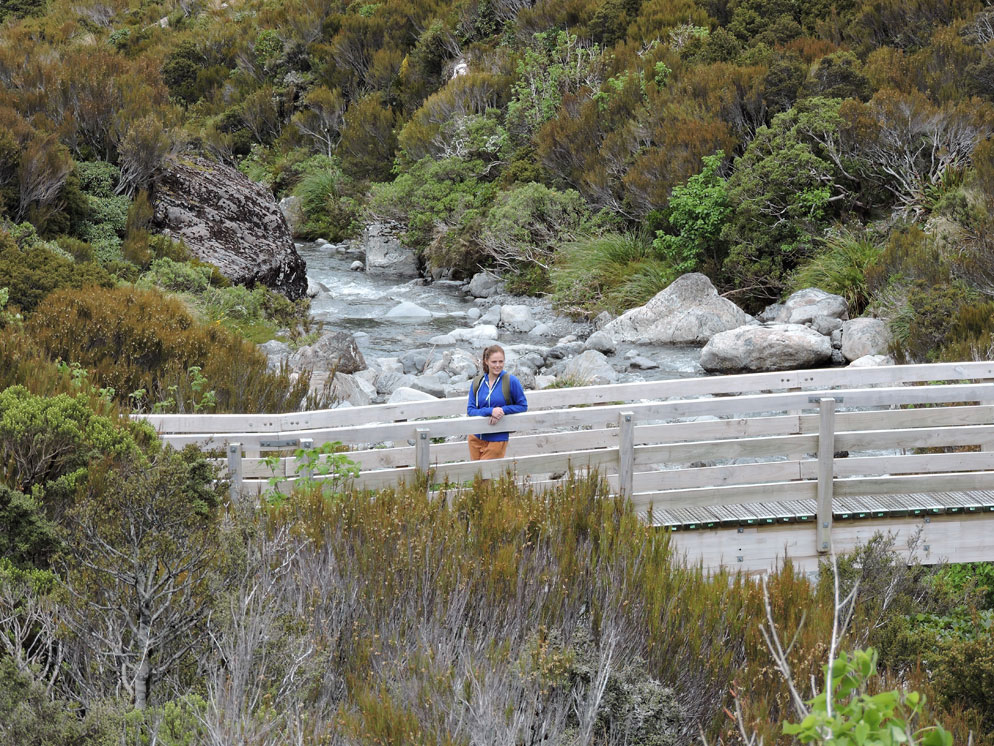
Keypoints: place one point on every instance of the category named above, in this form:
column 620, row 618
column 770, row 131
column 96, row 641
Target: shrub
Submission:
column 47, row 444
column 30, row 274
column 135, row 340
column 924, row 324
column 527, row 223
column 965, row 675
column 698, row 213
column 434, row 198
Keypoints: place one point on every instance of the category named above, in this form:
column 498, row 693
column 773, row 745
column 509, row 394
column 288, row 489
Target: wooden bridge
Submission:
column 742, row 469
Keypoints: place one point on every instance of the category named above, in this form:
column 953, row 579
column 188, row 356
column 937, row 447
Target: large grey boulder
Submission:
column 689, row 311
column 389, row 381
column 430, row 383
column 478, row 335
column 355, row 391
column 872, row 361
column 385, row 255
column 229, row 221
column 276, row 352
column 459, row 364
column 806, row 305
column 293, row 212
column 416, row 361
column 404, row 395
column 601, row 341
column 865, row 336
column 762, row 348
column 590, row 367
column 483, row 285
column 517, row 318
column 333, row 351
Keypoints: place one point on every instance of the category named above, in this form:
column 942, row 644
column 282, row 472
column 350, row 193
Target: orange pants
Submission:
column 484, row 450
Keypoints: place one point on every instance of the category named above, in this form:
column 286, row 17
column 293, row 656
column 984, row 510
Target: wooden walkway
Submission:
column 741, row 468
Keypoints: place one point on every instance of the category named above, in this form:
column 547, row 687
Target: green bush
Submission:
column 30, row 274
column 135, row 340
column 925, row 323
column 527, row 223
column 49, row 443
column 433, row 198
column 177, row 277
column 698, row 212
column 964, row 675
column 29, row 538
column 98, row 178
column 254, row 313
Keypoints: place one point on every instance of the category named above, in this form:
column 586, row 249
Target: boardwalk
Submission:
column 740, row 468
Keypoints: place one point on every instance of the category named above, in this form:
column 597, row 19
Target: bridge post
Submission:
column 626, row 453
column 421, row 455
column 235, row 470
column 826, row 473
column 306, row 444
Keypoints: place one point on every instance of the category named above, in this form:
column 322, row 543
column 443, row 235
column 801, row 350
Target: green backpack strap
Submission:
column 505, row 387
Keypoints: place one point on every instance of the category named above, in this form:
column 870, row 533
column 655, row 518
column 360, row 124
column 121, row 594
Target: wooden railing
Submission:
column 670, row 446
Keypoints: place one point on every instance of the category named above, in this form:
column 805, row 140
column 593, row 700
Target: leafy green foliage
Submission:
column 29, row 537
column 698, row 212
column 29, row 274
column 48, row 445
column 328, row 200
column 784, row 191
column 846, row 715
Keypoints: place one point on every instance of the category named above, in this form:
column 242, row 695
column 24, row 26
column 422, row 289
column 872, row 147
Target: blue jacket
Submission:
column 481, row 403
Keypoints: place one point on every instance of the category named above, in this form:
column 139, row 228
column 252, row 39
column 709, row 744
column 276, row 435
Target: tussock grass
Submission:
column 840, row 268
column 614, row 272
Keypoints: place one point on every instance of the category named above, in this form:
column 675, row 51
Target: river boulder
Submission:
column 865, row 336
column 601, row 341
column 805, row 305
column 517, row 318
column 751, row 349
column 589, row 367
column 229, row 221
column 333, row 351
column 405, row 394
column 351, row 389
column 872, row 361
column 483, row 285
column 407, row 311
column 689, row 311
column 385, row 254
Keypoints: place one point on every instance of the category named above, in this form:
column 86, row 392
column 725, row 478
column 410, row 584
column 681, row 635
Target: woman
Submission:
column 494, row 394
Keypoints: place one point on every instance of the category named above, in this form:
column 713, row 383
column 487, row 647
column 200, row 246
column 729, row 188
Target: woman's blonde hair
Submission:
column 487, row 352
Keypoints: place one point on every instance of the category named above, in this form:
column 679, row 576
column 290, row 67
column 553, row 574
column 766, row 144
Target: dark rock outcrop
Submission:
column 231, row 222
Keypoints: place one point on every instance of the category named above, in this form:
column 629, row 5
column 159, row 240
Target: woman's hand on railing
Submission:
column 496, row 415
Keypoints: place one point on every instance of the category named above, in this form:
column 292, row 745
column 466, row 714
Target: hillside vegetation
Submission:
column 594, row 149
column 597, row 147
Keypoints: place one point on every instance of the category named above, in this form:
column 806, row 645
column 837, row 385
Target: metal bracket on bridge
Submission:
column 286, row 443
column 817, row 399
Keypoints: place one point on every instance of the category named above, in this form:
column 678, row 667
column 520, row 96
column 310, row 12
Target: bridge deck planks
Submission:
column 847, row 508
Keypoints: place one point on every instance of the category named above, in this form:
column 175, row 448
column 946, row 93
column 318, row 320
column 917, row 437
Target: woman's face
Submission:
column 495, row 363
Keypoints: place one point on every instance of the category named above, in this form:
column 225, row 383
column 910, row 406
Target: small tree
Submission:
column 141, row 554
column 698, row 212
